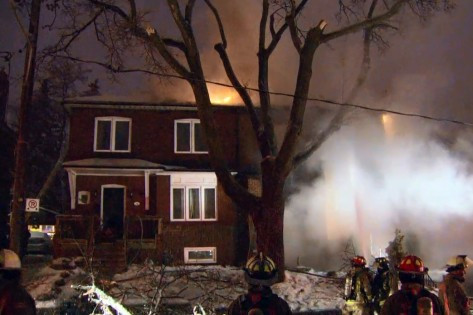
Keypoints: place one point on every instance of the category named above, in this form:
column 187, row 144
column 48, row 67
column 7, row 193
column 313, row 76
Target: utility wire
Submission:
column 379, row 110
column 322, row 100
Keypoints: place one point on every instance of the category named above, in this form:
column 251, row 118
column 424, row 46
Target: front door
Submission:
column 113, row 210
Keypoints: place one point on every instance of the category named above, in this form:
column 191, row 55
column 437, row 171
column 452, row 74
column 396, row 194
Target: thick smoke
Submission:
column 376, row 178
column 383, row 172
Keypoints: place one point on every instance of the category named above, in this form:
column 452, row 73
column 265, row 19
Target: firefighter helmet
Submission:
column 358, row 261
column 261, row 270
column 9, row 260
column 458, row 262
column 381, row 262
column 412, row 264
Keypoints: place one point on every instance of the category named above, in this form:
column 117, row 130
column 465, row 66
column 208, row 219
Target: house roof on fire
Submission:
column 114, row 102
column 120, row 163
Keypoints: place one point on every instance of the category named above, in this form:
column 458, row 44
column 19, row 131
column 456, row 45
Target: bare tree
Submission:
column 120, row 25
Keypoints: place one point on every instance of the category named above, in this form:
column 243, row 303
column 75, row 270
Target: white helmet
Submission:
column 459, row 261
column 9, row 260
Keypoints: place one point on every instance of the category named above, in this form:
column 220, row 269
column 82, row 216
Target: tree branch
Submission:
column 112, row 8
column 304, row 75
column 243, row 94
column 269, row 147
column 369, row 23
column 189, row 11
column 59, row 47
column 291, row 21
column 334, row 125
column 337, row 121
column 232, row 188
column 219, row 22
column 132, row 10
column 280, row 32
column 175, row 43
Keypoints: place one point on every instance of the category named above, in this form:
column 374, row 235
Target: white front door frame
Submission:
column 103, row 187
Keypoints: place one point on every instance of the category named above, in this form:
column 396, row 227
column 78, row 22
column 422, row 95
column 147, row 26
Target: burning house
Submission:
column 141, row 184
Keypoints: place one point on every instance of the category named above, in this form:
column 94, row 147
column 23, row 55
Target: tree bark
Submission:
column 269, row 225
column 18, row 228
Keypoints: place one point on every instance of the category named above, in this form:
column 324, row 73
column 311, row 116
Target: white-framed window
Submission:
column 83, row 197
column 193, row 203
column 112, row 134
column 194, row 197
column 188, row 137
column 200, row 255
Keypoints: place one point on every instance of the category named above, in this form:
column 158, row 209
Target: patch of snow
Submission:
column 46, row 304
column 213, row 287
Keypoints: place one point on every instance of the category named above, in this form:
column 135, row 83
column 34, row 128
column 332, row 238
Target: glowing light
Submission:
column 221, row 99
column 388, row 124
column 223, row 96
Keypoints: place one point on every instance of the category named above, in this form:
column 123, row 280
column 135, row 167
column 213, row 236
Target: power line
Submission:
column 322, row 100
column 331, row 102
column 379, row 110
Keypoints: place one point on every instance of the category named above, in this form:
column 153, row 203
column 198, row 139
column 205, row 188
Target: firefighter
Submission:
column 260, row 274
column 406, row 300
column 14, row 299
column 358, row 294
column 384, row 283
column 451, row 291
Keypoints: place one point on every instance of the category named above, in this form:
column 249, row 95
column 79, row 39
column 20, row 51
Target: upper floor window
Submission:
column 188, row 137
column 112, row 134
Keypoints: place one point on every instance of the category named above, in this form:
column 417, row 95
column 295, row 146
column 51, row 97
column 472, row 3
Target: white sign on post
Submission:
column 32, row 205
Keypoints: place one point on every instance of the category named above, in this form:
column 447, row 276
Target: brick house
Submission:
column 141, row 184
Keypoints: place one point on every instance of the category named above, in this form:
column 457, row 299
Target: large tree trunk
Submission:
column 269, row 224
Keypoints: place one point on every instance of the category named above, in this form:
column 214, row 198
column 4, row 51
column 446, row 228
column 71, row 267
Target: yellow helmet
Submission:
column 458, row 262
column 9, row 260
column 260, row 270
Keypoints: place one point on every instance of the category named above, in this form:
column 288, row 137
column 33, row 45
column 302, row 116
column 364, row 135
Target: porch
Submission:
column 84, row 235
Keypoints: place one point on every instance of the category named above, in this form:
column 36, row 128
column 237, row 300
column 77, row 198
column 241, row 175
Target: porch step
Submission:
column 110, row 257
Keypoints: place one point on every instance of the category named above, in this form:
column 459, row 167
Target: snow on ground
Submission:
column 51, row 284
column 212, row 287
column 311, row 291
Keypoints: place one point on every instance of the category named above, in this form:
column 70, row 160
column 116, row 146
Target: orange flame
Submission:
column 223, row 96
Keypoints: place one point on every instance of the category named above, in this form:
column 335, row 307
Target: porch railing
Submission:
column 74, row 233
column 83, row 229
column 74, row 227
column 142, row 230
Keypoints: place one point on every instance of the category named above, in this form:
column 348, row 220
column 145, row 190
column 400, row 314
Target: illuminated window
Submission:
column 188, row 137
column 200, row 255
column 112, row 134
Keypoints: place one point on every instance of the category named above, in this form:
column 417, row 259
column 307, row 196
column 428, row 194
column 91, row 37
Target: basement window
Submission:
column 188, row 137
column 200, row 255
column 112, row 134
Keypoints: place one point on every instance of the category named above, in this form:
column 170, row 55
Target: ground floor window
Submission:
column 193, row 203
column 200, row 255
